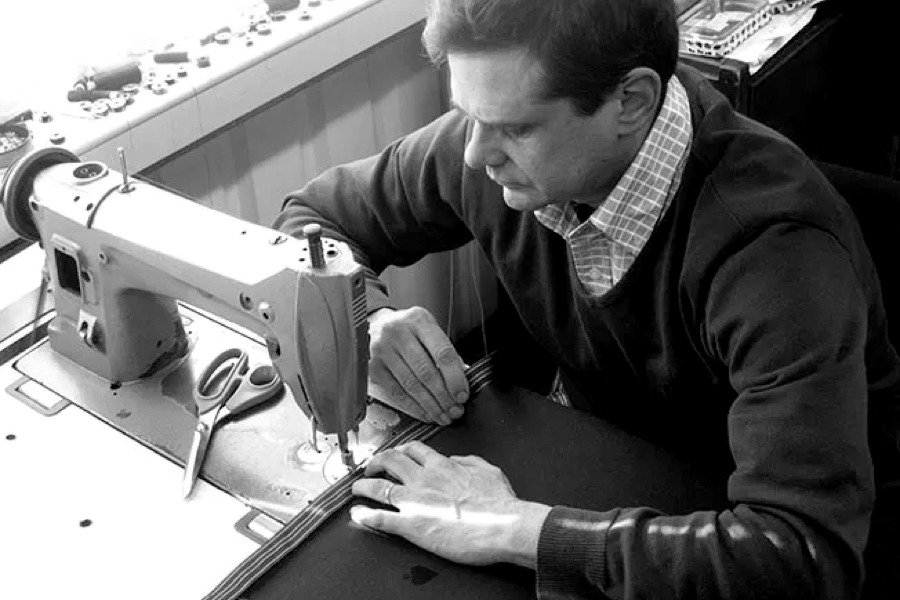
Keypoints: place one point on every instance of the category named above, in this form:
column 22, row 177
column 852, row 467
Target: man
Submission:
column 693, row 275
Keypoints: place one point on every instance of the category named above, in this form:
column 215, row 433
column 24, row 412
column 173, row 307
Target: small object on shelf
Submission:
column 13, row 136
column 282, row 4
column 212, row 37
column 118, row 104
column 100, row 108
column 159, row 89
column 203, row 62
column 57, row 138
column 182, row 71
column 784, row 6
column 86, row 105
column 131, row 88
column 115, row 76
column 171, row 57
column 80, row 95
column 716, row 27
column 45, row 117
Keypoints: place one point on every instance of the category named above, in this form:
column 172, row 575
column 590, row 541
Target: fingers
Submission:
column 383, row 387
column 452, row 380
column 471, row 460
column 411, row 398
column 393, row 462
column 382, row 520
column 379, row 490
column 422, row 454
column 424, row 376
column 415, row 364
column 408, row 383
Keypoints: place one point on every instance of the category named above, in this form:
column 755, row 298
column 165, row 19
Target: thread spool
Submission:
column 282, row 4
column 114, row 77
column 313, row 235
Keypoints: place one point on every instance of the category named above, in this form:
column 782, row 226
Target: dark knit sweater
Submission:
column 749, row 331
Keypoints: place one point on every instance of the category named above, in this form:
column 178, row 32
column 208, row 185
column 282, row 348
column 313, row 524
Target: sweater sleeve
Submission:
column 787, row 314
column 392, row 208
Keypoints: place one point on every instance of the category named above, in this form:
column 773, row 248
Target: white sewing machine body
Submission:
column 119, row 255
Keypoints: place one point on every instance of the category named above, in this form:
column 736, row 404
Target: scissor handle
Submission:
column 223, row 387
column 260, row 384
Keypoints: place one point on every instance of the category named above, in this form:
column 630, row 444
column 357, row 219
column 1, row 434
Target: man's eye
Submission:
column 517, row 131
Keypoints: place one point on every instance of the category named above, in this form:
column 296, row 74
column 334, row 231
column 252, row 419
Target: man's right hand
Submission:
column 413, row 367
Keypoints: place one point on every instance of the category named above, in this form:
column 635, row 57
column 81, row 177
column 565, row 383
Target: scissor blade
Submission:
column 195, row 458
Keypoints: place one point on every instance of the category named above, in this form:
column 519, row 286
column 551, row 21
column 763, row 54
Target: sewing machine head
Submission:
column 121, row 252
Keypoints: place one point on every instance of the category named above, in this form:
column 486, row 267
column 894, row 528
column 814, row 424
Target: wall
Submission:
column 352, row 112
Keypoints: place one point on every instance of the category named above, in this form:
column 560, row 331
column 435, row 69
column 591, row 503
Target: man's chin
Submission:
column 521, row 198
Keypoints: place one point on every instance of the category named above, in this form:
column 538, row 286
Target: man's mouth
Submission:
column 507, row 184
column 511, row 186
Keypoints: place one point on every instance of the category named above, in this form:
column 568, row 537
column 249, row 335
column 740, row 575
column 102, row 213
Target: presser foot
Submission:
column 346, row 454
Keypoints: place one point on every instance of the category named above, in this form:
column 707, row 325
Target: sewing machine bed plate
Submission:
column 90, row 513
column 263, row 458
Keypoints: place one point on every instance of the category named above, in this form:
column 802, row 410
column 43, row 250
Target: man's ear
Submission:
column 640, row 94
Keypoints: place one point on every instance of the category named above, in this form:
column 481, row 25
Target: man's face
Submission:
column 541, row 152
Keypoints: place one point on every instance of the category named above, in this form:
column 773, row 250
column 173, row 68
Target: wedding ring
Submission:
column 387, row 492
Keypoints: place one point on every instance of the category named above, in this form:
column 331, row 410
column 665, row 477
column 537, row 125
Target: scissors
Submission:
column 227, row 386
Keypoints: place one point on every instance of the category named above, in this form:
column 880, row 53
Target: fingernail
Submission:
column 455, row 412
column 462, row 397
column 444, row 420
column 356, row 514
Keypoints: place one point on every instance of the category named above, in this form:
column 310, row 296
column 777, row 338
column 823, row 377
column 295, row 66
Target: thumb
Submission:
column 379, row 520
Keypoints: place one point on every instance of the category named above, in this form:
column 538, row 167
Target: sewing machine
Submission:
column 146, row 288
column 121, row 252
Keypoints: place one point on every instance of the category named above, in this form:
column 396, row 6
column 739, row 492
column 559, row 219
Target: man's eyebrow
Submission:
column 490, row 123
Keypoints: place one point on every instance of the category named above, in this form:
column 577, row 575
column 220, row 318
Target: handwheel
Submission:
column 16, row 188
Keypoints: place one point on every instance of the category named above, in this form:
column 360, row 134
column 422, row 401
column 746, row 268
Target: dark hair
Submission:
column 586, row 47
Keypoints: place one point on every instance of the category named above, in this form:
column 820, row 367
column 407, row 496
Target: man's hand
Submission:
column 459, row 507
column 414, row 367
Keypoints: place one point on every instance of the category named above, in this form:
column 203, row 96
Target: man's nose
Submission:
column 482, row 149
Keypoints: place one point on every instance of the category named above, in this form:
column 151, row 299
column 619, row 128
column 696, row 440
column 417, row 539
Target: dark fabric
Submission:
column 749, row 336
column 592, row 464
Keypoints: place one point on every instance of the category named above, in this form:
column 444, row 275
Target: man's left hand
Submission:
column 459, row 507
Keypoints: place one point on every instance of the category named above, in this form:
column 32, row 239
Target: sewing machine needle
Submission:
column 346, row 454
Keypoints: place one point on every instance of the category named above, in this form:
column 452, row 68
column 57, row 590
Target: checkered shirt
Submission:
column 606, row 244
